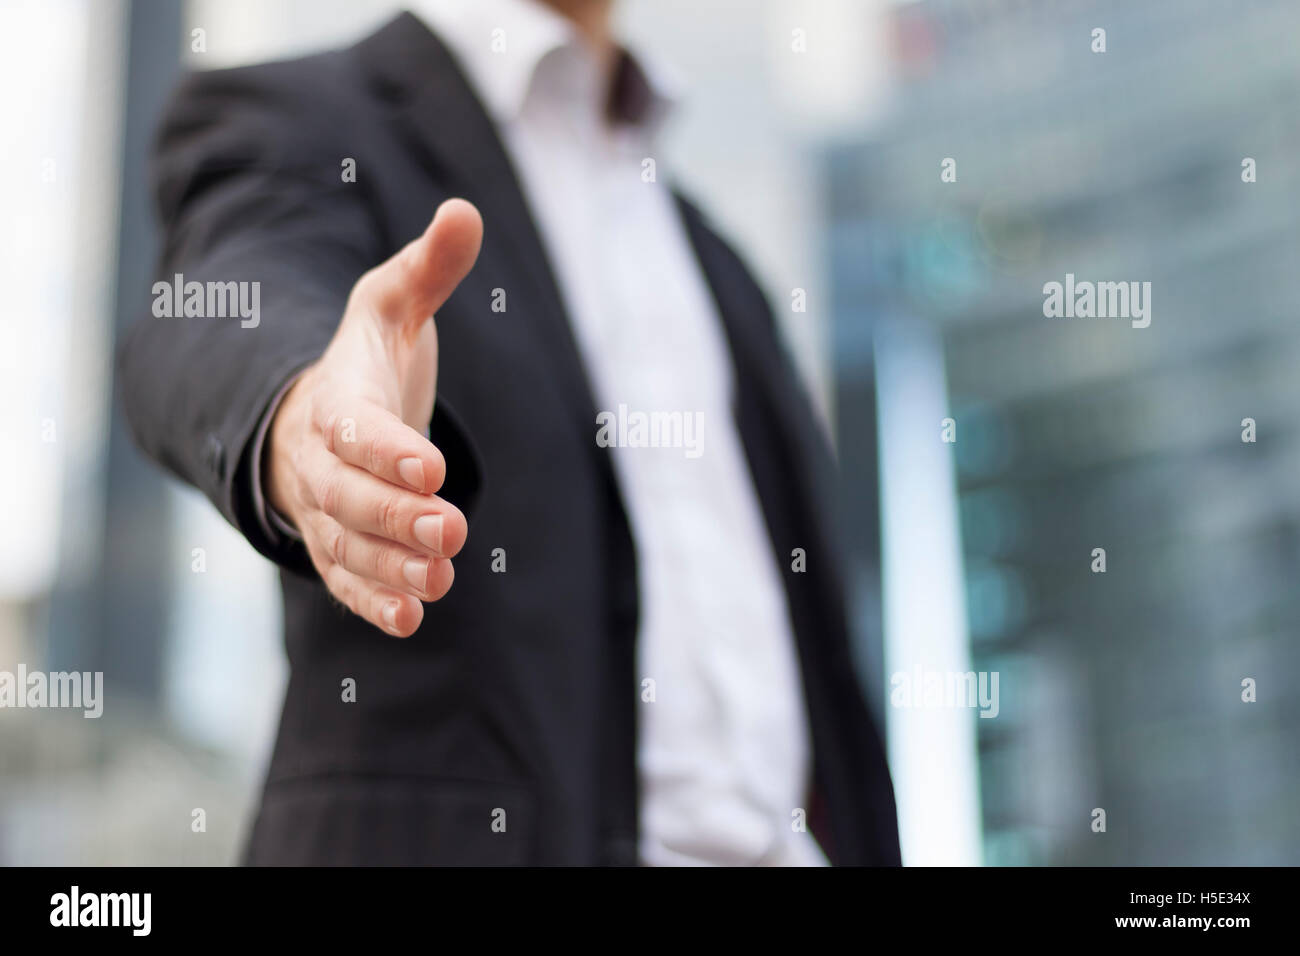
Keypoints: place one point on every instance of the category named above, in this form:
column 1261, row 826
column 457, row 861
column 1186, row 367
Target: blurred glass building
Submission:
column 1169, row 158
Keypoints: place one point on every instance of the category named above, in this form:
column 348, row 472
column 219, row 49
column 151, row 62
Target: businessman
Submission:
column 564, row 384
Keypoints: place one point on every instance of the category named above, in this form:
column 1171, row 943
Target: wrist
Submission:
column 278, row 474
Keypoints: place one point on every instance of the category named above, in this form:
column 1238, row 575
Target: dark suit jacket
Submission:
column 519, row 691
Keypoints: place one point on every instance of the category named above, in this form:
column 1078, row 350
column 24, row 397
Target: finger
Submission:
column 361, row 502
column 383, row 562
column 419, row 278
column 373, row 438
column 389, row 610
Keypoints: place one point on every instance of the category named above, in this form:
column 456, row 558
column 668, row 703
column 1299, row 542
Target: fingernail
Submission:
column 390, row 615
column 411, row 471
column 416, row 571
column 428, row 531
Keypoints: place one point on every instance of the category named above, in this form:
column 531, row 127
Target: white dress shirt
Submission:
column 723, row 752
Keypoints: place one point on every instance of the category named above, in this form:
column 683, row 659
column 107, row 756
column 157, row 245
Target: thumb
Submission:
column 420, row 277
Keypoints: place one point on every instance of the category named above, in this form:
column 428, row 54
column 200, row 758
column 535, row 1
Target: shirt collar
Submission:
column 500, row 44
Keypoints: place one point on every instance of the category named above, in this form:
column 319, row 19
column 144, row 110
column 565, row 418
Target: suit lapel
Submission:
column 788, row 466
column 444, row 120
column 768, row 395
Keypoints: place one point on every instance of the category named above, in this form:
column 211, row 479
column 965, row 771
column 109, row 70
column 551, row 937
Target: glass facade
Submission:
column 1168, row 159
